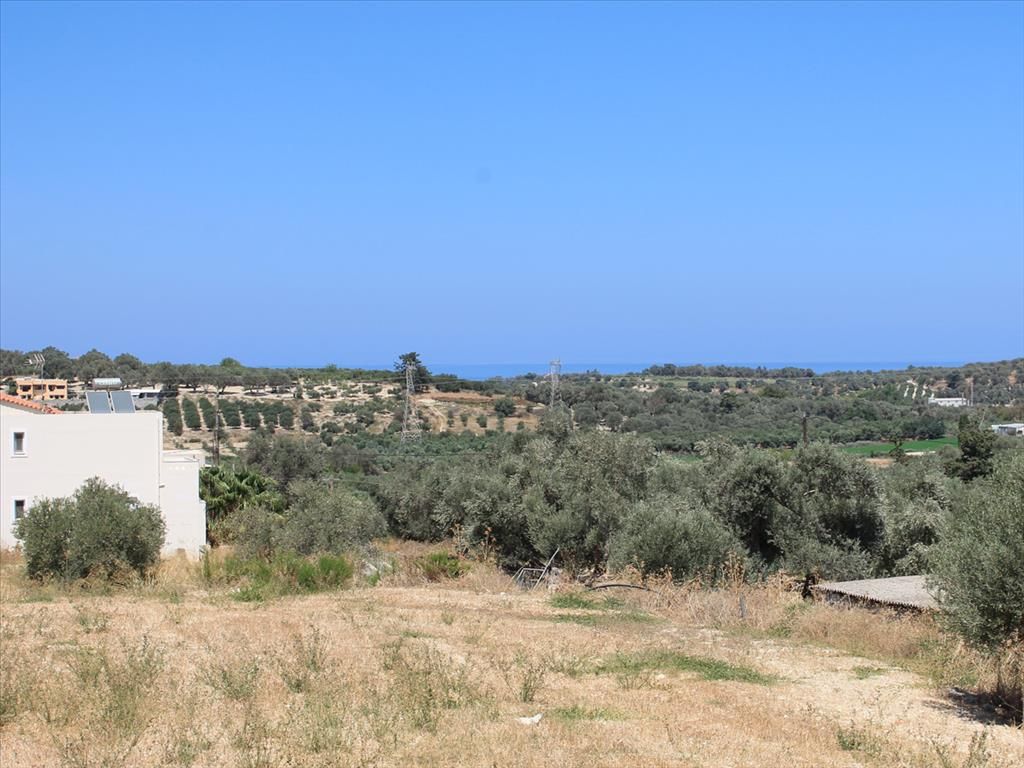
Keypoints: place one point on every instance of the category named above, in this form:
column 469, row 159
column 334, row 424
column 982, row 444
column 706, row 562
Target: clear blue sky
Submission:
column 304, row 184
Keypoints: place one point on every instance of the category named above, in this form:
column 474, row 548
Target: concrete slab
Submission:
column 899, row 591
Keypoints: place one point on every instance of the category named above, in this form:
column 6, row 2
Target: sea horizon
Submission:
column 484, row 371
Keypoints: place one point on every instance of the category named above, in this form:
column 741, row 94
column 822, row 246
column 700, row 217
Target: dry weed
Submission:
column 175, row 673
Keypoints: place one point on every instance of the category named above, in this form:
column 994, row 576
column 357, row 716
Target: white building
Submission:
column 1013, row 430
column 949, row 402
column 144, row 396
column 48, row 453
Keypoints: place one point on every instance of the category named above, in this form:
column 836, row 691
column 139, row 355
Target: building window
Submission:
column 19, row 509
column 19, row 443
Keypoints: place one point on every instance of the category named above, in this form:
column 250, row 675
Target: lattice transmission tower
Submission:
column 553, row 373
column 410, row 422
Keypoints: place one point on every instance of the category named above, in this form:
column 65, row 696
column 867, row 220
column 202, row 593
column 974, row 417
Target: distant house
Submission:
column 48, row 453
column 31, row 388
column 949, row 402
column 1013, row 430
column 144, row 396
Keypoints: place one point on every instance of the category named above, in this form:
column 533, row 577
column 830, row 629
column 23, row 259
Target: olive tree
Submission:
column 98, row 531
column 672, row 534
column 978, row 562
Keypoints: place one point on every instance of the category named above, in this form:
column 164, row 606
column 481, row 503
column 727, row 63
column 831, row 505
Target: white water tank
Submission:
column 111, row 383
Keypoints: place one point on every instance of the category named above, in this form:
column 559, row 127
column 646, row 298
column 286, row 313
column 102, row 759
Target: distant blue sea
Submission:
column 481, row 371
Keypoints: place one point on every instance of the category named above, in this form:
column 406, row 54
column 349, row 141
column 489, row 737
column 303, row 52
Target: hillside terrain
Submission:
column 675, row 406
column 326, row 411
column 875, row 410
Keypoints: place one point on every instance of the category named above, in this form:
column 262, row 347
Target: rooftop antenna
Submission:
column 37, row 360
column 553, row 373
column 410, row 424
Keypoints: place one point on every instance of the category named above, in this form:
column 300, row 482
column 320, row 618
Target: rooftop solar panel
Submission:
column 123, row 402
column 98, row 402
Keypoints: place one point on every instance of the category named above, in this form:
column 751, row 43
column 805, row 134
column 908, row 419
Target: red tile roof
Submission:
column 29, row 405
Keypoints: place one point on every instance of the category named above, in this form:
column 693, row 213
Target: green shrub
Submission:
column 504, row 406
column 441, row 565
column 284, row 459
column 979, row 559
column 669, row 534
column 254, row 530
column 230, row 413
column 977, row 449
column 324, row 519
column 917, row 498
column 286, row 573
column 209, row 413
column 333, row 571
column 306, row 416
column 190, row 414
column 286, row 418
column 99, row 531
column 251, row 415
column 172, row 412
column 226, row 491
column 268, row 412
column 297, row 574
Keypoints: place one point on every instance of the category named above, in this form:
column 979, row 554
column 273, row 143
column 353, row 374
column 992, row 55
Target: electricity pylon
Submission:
column 555, row 370
column 410, row 422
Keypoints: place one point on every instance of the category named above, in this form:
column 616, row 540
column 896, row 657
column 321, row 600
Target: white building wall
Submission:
column 184, row 511
column 61, row 451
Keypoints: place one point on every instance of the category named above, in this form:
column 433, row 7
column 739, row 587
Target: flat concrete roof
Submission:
column 901, row 591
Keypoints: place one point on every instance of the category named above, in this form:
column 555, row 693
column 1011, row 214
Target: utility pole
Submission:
column 553, row 373
column 216, row 431
column 410, row 424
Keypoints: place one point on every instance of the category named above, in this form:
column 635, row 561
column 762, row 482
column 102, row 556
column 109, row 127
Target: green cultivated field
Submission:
column 876, row 449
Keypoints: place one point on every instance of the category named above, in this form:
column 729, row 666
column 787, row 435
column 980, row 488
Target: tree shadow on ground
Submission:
column 986, row 709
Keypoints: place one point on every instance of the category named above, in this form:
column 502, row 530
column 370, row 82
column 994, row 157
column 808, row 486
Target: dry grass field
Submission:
column 411, row 673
